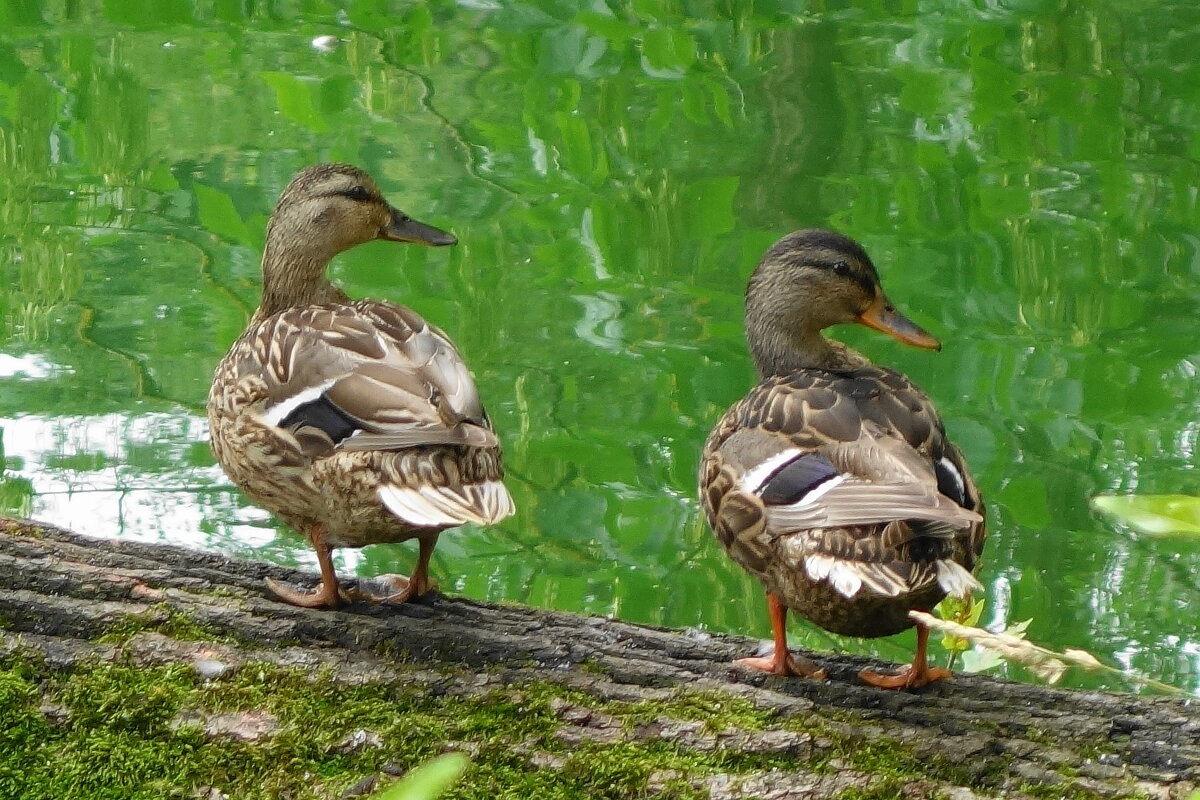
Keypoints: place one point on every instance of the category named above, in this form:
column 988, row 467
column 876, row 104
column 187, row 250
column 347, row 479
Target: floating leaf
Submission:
column 1153, row 513
column 429, row 780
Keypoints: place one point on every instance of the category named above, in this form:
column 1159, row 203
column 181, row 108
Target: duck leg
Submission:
column 414, row 586
column 918, row 674
column 781, row 662
column 328, row 593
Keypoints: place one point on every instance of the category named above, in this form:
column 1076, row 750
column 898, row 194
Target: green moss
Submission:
column 20, row 723
column 165, row 619
column 717, row 710
column 885, row 789
column 892, row 759
column 1064, row 791
column 593, row 667
column 19, row 527
column 1038, row 736
column 123, row 738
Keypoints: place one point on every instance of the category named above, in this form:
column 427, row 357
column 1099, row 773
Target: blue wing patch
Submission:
column 795, row 479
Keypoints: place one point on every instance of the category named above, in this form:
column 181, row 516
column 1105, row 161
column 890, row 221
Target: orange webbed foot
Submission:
column 786, row 666
column 908, row 678
column 326, row 595
column 400, row 589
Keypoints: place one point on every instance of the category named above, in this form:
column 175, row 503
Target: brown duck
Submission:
column 354, row 421
column 833, row 481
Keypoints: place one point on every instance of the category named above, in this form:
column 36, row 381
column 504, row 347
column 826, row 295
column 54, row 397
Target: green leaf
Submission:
column 964, row 611
column 695, row 103
column 429, row 780
column 615, row 30
column 218, row 214
column 295, row 99
column 1153, row 513
column 980, row 660
column 720, row 102
column 1018, row 628
column 667, row 52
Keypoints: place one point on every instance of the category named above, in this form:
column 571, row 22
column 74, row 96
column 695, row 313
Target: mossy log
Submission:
column 657, row 712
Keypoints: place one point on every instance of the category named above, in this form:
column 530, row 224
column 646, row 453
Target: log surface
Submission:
column 61, row 592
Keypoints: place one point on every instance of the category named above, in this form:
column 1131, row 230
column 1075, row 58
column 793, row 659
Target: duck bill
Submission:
column 403, row 228
column 881, row 316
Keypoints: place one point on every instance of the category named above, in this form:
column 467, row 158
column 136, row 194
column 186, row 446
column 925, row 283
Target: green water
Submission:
column 1026, row 175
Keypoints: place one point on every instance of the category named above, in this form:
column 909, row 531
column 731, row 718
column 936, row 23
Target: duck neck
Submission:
column 294, row 275
column 781, row 347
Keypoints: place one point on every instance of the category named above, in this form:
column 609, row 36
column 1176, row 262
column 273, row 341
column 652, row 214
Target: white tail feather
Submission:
column 841, row 575
column 955, row 578
column 443, row 507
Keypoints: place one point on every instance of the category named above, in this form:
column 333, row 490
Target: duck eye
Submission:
column 357, row 193
column 841, row 268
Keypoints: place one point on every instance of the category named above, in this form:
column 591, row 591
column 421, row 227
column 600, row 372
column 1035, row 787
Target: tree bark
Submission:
column 60, row 593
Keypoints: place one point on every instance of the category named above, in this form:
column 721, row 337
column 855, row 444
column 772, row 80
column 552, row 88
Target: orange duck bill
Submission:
column 883, row 316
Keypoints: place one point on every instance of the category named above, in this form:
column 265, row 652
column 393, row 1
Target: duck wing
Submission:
column 364, row 376
column 846, row 475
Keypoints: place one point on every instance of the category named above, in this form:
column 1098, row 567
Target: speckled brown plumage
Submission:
column 832, row 481
column 356, row 422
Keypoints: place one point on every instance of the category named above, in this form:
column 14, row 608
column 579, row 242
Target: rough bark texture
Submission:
column 60, row 593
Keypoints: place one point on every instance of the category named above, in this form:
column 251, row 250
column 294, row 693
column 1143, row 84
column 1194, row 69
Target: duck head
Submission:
column 325, row 210
column 808, row 281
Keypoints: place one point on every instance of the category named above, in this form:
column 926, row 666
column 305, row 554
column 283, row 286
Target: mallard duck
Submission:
column 833, row 481
column 356, row 422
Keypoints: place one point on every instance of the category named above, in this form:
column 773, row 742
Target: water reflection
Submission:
column 1024, row 177
column 116, row 472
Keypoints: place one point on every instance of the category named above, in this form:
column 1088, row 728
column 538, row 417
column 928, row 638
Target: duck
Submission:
column 355, row 422
column 832, row 481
